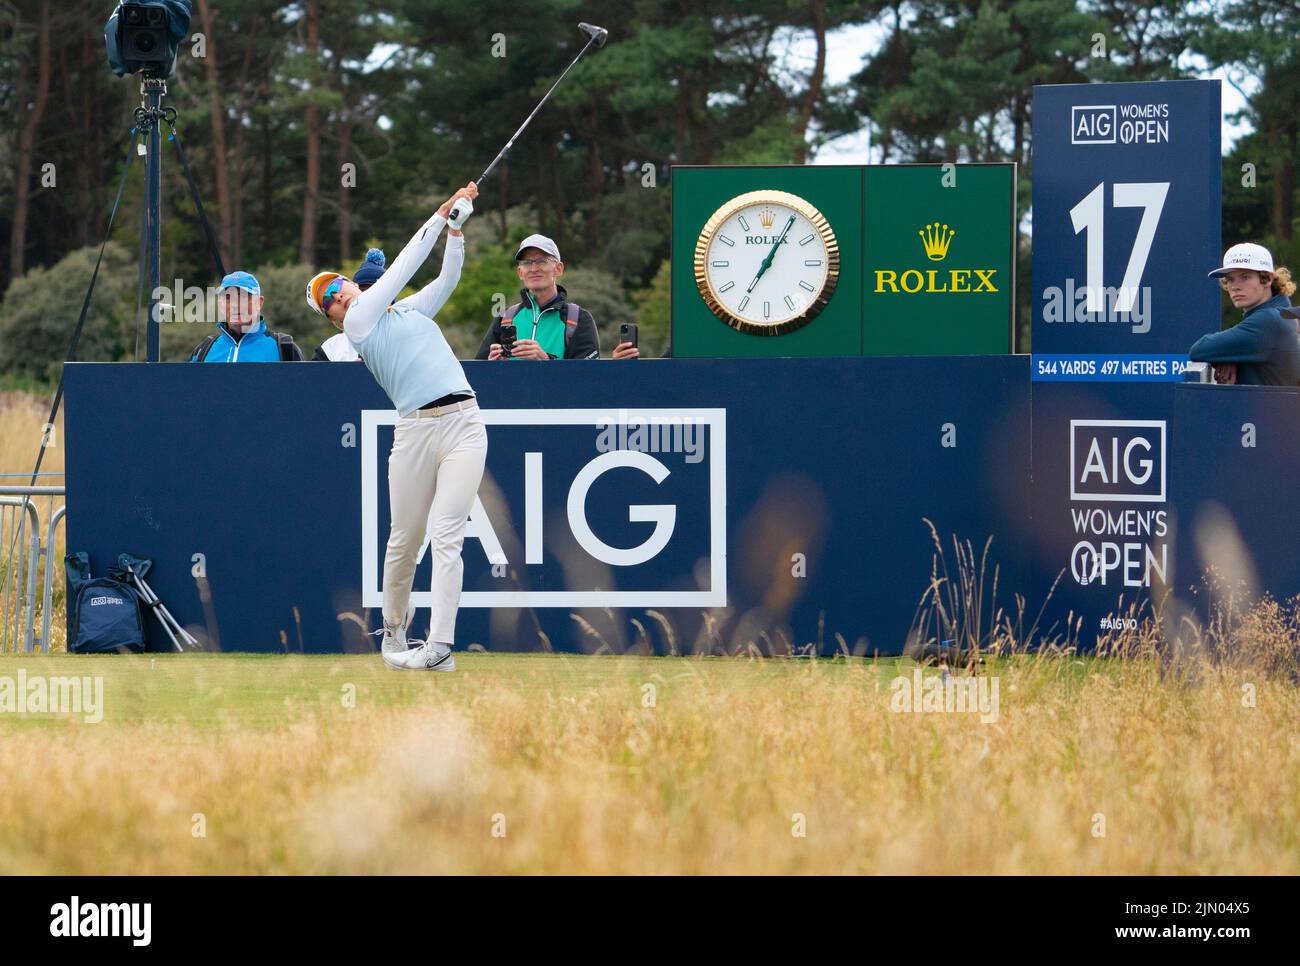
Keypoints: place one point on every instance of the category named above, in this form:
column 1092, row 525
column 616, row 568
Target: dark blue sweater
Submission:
column 1265, row 346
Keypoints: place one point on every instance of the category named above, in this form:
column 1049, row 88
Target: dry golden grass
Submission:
column 22, row 423
column 562, row 756
column 1150, row 758
column 22, row 429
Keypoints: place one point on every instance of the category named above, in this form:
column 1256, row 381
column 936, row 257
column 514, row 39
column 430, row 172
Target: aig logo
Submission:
column 1092, row 124
column 1121, row 460
column 588, row 498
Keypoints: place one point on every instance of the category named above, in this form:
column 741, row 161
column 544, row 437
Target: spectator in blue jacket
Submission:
column 1263, row 349
column 241, row 334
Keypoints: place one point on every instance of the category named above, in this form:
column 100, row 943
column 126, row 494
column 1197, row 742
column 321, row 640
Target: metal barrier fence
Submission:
column 27, row 562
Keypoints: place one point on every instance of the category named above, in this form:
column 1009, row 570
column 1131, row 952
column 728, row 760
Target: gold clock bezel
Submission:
column 716, row 220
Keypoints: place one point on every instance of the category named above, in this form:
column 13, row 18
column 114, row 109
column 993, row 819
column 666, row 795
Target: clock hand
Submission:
column 767, row 262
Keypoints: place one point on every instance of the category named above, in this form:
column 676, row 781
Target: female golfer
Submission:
column 439, row 443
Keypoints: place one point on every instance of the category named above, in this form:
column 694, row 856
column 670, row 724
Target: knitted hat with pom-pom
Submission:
column 371, row 269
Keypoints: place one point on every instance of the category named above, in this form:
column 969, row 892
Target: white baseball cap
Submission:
column 542, row 242
column 1248, row 256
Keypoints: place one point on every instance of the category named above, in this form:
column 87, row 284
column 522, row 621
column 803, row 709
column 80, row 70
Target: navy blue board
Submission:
column 1236, row 459
column 792, row 492
column 1132, row 172
column 1103, row 501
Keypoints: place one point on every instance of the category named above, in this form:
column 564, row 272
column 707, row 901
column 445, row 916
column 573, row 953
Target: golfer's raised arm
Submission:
column 371, row 304
column 430, row 299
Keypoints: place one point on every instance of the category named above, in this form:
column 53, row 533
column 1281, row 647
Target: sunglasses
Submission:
column 331, row 291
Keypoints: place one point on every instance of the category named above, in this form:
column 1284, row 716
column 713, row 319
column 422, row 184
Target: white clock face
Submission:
column 767, row 263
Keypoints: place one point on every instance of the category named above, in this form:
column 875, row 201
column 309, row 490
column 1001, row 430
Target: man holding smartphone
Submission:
column 543, row 324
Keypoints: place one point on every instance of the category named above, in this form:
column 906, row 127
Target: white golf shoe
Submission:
column 426, row 657
column 395, row 641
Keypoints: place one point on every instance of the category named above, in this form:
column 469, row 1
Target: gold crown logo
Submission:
column 766, row 217
column 936, row 240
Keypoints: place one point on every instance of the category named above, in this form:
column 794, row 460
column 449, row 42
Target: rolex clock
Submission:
column 767, row 262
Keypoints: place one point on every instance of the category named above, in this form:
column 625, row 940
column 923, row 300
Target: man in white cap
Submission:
column 547, row 324
column 1263, row 349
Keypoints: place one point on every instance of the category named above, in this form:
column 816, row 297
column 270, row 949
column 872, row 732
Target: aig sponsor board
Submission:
column 1113, row 463
column 696, row 494
column 586, row 472
column 1102, row 501
column 1237, row 456
column 715, row 498
column 1126, row 224
column 835, row 261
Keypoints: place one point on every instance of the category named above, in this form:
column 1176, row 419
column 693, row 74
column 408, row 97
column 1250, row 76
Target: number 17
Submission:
column 1089, row 214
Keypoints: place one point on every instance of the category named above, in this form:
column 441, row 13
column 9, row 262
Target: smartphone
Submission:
column 508, row 336
column 627, row 332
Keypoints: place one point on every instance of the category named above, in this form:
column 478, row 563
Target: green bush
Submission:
column 654, row 311
column 600, row 293
column 40, row 310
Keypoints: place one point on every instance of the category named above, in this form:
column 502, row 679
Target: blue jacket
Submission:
column 1265, row 345
column 255, row 345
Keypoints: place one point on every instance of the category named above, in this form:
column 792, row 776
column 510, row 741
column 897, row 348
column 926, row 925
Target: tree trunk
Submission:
column 268, row 194
column 503, row 188
column 1018, row 113
column 236, row 250
column 1283, row 190
column 85, row 196
column 818, row 10
column 26, row 138
column 1282, row 144
column 76, row 104
column 595, row 178
column 345, row 193
column 307, row 241
column 680, row 120
column 212, row 72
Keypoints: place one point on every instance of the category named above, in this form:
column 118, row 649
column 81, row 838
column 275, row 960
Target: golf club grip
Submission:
column 460, row 212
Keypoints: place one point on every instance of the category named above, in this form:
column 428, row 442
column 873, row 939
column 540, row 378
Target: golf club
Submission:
column 462, row 209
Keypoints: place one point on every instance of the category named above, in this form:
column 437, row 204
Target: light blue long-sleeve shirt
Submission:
column 401, row 344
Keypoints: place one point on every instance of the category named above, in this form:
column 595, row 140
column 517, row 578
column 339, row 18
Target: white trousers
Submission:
column 433, row 476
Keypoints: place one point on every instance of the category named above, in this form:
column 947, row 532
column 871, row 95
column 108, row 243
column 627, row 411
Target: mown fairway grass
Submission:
column 570, row 763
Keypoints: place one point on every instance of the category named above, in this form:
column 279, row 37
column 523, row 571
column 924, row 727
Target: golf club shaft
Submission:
column 528, row 119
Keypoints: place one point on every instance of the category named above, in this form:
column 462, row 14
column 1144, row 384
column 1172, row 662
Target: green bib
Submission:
column 550, row 328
